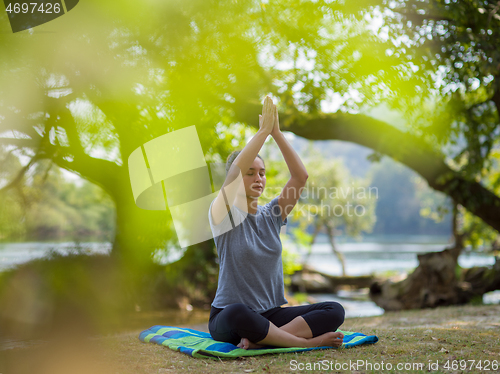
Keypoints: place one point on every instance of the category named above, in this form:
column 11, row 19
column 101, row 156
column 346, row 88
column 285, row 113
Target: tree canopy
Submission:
column 87, row 89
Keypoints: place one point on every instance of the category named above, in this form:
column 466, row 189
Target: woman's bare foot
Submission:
column 330, row 339
column 247, row 344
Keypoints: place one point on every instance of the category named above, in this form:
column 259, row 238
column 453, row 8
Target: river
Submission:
column 377, row 255
column 373, row 255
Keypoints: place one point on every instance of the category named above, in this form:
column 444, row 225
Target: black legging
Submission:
column 237, row 321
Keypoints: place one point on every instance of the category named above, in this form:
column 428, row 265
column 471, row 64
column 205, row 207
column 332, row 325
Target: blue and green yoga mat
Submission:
column 200, row 344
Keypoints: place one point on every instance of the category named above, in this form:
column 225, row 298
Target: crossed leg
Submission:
column 280, row 338
column 303, row 326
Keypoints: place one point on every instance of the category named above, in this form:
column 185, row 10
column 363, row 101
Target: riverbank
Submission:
column 441, row 336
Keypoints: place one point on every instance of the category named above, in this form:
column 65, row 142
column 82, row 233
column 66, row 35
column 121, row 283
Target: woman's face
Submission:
column 255, row 178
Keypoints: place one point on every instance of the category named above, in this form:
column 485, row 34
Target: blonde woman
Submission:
column 246, row 310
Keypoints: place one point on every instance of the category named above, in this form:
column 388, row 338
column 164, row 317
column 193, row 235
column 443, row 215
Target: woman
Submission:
column 246, row 310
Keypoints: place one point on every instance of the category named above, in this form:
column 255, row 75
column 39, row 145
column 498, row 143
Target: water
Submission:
column 355, row 303
column 12, row 254
column 375, row 255
column 376, row 258
column 397, row 255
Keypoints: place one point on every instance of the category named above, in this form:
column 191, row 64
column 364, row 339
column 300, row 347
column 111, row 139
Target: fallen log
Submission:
column 309, row 280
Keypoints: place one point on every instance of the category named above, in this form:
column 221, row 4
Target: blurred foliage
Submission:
column 48, row 295
column 478, row 234
column 453, row 97
column 452, row 49
column 291, row 263
column 301, row 298
column 47, row 207
column 87, row 89
column 111, row 78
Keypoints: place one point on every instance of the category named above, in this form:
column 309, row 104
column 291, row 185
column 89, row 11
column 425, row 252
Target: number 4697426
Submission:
column 33, row 8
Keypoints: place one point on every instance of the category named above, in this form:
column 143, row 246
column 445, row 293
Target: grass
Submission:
column 438, row 336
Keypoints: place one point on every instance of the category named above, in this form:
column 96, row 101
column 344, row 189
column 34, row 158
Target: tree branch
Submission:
column 386, row 139
column 98, row 171
column 20, row 175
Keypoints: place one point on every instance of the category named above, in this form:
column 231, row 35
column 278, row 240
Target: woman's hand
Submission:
column 266, row 120
column 276, row 128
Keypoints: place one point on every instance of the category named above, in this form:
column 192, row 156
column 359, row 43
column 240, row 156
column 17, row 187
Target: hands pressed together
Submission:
column 268, row 121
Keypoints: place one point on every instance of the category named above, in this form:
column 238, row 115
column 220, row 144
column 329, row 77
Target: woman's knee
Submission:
column 337, row 311
column 238, row 314
column 239, row 317
column 237, row 321
column 228, row 321
column 335, row 306
column 327, row 316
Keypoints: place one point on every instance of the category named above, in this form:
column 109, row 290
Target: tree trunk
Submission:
column 436, row 282
column 433, row 283
column 483, row 279
column 317, row 228
column 459, row 237
column 340, row 255
column 193, row 278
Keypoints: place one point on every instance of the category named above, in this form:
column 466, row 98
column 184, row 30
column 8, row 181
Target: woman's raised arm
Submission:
column 293, row 188
column 241, row 164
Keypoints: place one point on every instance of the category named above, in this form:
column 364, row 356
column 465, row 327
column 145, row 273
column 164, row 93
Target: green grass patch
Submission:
column 441, row 340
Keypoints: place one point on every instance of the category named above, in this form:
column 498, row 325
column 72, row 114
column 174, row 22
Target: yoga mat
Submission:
column 200, row 344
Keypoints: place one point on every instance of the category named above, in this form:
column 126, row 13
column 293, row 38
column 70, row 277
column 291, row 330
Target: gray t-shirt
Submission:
column 250, row 265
